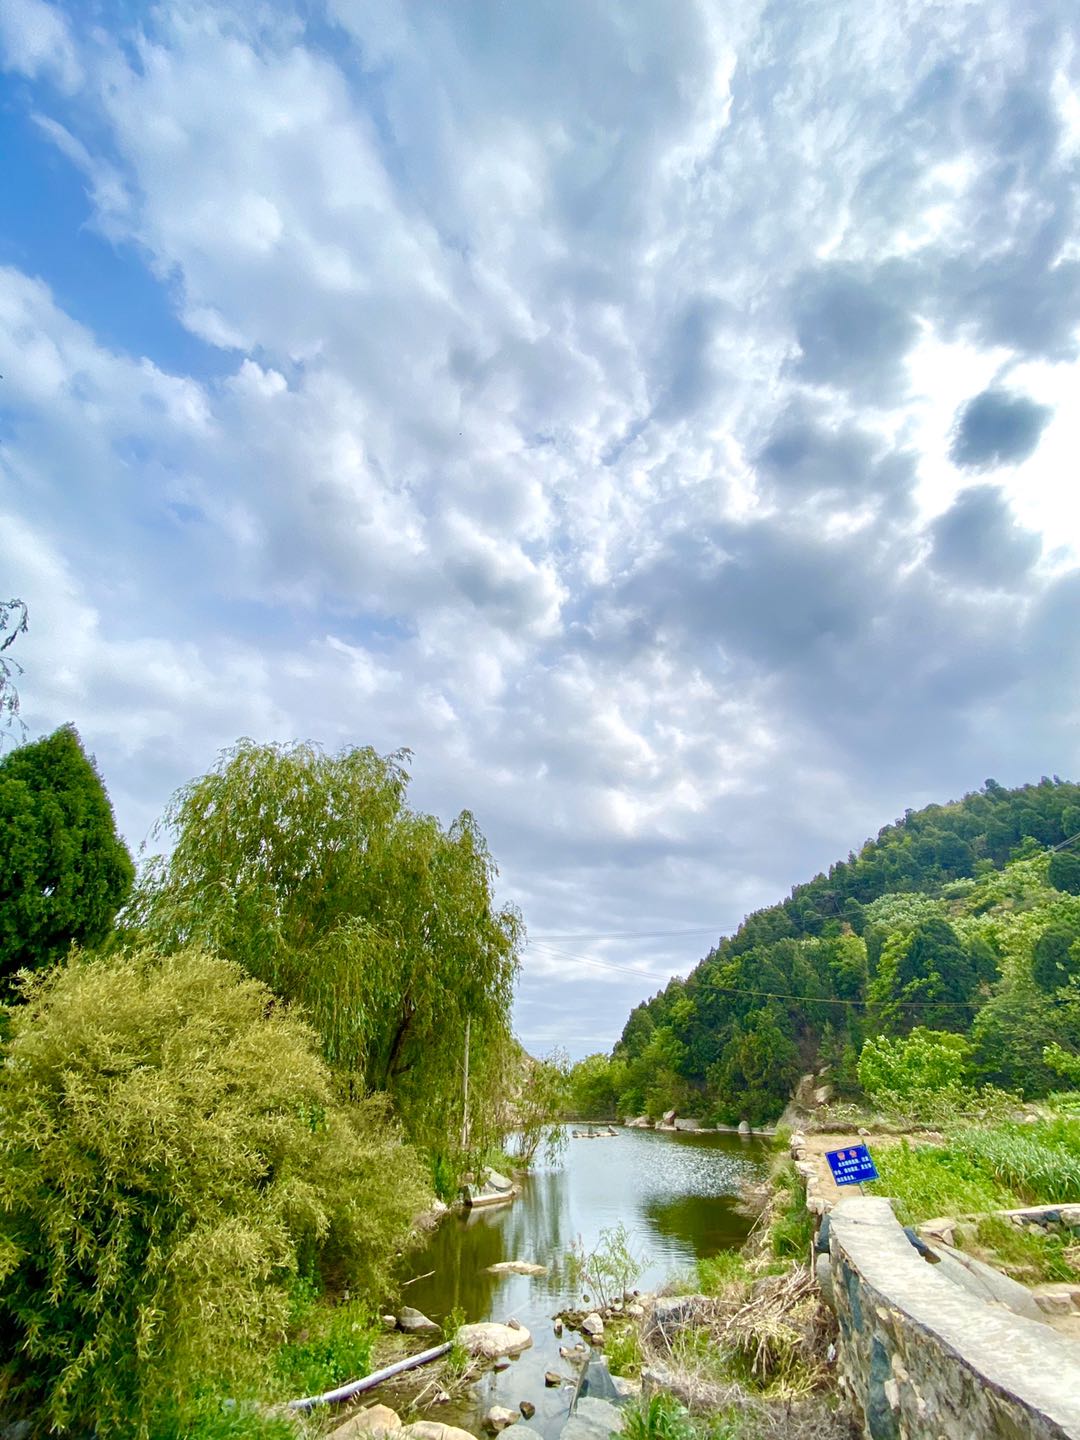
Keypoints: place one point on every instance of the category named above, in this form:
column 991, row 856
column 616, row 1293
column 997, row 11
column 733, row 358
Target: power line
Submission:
column 777, row 994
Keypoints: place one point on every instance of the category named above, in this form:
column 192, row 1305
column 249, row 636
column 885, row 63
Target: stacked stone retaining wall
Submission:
column 928, row 1361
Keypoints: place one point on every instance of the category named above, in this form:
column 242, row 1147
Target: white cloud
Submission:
column 541, row 446
column 35, row 40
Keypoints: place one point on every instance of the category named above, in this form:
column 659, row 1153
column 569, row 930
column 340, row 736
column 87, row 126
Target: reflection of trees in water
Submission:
column 534, row 1227
column 705, row 1224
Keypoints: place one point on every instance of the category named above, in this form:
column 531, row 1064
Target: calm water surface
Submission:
column 674, row 1192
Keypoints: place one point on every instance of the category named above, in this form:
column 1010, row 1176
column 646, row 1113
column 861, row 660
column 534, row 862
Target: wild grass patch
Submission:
column 996, row 1168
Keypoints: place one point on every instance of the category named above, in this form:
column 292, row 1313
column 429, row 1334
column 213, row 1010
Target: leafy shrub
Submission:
column 606, row 1270
column 171, row 1157
column 924, row 1060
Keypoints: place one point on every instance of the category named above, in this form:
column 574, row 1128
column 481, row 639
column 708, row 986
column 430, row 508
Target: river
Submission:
column 676, row 1195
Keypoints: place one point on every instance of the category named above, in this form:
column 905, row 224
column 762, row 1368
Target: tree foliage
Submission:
column 1064, row 872
column 14, row 622
column 64, row 871
column 311, row 872
column 932, row 924
column 172, row 1157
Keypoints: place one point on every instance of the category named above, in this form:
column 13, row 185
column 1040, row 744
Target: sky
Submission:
column 661, row 418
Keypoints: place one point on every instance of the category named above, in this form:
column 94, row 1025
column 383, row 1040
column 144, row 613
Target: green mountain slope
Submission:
column 957, row 917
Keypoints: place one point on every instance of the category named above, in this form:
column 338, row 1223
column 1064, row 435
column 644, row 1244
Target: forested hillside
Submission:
column 958, row 917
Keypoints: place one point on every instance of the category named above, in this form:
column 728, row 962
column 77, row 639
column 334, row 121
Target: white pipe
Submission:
column 357, row 1387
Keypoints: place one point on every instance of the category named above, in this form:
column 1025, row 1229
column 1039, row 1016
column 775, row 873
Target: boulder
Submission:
column 390, row 1321
column 488, row 1340
column 687, row 1124
column 634, row 1310
column 517, row 1267
column 415, row 1322
column 639, row 1122
column 552, row 1378
column 494, row 1181
column 823, row 1094
column 375, row 1421
column 434, row 1430
column 593, row 1326
column 498, row 1418
column 744, row 1127
column 527, row 1408
column 668, row 1117
column 593, row 1419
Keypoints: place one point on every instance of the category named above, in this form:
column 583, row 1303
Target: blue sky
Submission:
column 662, row 420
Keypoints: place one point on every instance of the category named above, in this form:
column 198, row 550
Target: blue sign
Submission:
column 852, row 1165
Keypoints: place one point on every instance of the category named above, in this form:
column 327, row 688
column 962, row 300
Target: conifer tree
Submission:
column 64, row 871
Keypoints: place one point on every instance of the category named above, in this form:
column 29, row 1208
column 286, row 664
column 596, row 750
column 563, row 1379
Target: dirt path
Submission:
column 818, row 1144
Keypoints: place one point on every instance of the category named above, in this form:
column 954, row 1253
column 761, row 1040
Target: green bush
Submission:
column 172, row 1156
column 924, row 1060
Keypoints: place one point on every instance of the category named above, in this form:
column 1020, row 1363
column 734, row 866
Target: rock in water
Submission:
column 498, row 1418
column 744, row 1127
column 494, row 1181
column 434, row 1430
column 517, row 1267
column 552, row 1378
column 375, row 1421
column 527, row 1408
column 593, row 1326
column 488, row 1340
column 415, row 1322
column 593, row 1420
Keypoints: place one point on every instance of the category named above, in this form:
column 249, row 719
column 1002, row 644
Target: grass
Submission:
column 213, row 1418
column 661, row 1417
column 622, row 1347
column 792, row 1226
column 722, row 1272
column 333, row 1344
column 996, row 1168
column 1030, row 1256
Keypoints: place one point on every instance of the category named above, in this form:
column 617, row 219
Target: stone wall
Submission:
column 928, row 1360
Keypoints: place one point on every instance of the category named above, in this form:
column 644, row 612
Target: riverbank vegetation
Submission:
column 750, row 1355
column 958, row 918
column 229, row 1090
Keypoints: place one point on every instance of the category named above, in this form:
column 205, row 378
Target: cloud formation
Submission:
column 996, row 428
column 578, row 394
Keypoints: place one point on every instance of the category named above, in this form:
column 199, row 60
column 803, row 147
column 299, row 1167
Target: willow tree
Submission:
column 310, row 871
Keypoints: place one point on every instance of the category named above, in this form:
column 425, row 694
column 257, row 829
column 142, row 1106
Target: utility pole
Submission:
column 465, row 1107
